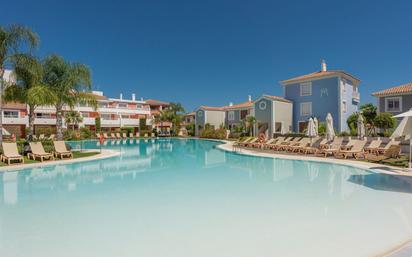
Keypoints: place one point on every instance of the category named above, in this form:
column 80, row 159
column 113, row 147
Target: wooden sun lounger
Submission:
column 247, row 144
column 375, row 144
column 355, row 151
column 37, row 151
column 299, row 145
column 393, row 152
column 61, row 151
column 137, row 134
column 333, row 148
column 124, row 135
column 315, row 147
column 11, row 153
column 112, row 135
column 276, row 141
column 286, row 144
column 386, row 147
column 131, row 135
column 105, row 136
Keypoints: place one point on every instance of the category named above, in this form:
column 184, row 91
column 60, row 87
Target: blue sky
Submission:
column 216, row 52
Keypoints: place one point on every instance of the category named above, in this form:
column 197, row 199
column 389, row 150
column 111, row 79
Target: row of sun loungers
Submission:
column 357, row 149
column 11, row 153
column 117, row 135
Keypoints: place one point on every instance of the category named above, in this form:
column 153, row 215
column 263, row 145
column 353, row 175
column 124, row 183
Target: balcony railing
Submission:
column 356, row 96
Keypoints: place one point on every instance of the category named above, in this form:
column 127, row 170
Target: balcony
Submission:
column 88, row 121
column 110, row 123
column 356, row 96
column 15, row 120
column 130, row 122
column 44, row 121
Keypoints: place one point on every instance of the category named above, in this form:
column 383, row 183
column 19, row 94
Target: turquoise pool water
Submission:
column 172, row 197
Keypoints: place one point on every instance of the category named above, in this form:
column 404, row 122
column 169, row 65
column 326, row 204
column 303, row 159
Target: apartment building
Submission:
column 322, row 92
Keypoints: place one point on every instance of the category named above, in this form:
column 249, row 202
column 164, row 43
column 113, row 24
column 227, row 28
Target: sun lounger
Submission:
column 112, row 135
column 61, row 151
column 286, row 144
column 124, row 135
column 299, row 145
column 241, row 140
column 152, row 135
column 41, row 137
column 247, row 144
column 374, row 145
column 276, row 141
column 105, row 136
column 392, row 152
column 137, row 134
column 10, row 153
column 333, row 148
column 315, row 147
column 386, row 147
column 355, row 151
column 52, row 137
column 118, row 135
column 131, row 135
column 268, row 143
column 37, row 151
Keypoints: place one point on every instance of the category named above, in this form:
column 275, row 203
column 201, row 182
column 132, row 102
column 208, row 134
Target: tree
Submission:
column 28, row 87
column 12, row 38
column 73, row 118
column 369, row 112
column 70, row 83
column 177, row 108
column 352, row 122
column 98, row 122
column 385, row 121
column 250, row 124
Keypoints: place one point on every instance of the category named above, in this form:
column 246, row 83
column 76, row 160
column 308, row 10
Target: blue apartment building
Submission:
column 319, row 93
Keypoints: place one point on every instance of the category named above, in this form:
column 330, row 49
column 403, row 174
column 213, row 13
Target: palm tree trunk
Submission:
column 31, row 123
column 1, row 102
column 59, row 122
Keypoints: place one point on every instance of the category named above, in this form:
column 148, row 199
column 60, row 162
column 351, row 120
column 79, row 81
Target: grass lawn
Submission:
column 76, row 155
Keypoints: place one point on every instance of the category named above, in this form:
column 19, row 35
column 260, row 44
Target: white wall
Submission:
column 215, row 118
column 283, row 112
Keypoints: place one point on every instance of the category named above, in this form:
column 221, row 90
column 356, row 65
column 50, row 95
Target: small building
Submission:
column 237, row 113
column 319, row 93
column 273, row 115
column 395, row 100
column 156, row 108
column 188, row 118
column 213, row 116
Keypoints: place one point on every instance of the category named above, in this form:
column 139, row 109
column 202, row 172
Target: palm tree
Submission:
column 12, row 38
column 250, row 124
column 73, row 118
column 70, row 83
column 28, row 87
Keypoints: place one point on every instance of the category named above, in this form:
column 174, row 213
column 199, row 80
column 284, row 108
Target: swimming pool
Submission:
column 177, row 197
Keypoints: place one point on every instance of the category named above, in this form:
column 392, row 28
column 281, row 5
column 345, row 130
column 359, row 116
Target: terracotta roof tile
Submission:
column 319, row 74
column 14, row 105
column 277, row 98
column 190, row 114
column 210, row 108
column 402, row 89
column 247, row 104
column 156, row 102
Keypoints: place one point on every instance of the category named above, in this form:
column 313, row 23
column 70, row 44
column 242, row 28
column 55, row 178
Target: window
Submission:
column 231, row 115
column 103, row 105
column 262, row 105
column 243, row 114
column 306, row 109
column 393, row 104
column 122, row 105
column 303, row 125
column 306, row 89
column 343, row 85
column 106, row 116
column 11, row 114
column 125, row 116
column 200, row 113
column 85, row 114
column 344, row 107
column 43, row 115
column 278, row 127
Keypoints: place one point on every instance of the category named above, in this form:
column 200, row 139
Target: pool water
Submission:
column 177, row 197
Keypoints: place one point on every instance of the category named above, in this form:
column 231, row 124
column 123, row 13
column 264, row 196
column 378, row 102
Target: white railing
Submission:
column 110, row 123
column 88, row 121
column 356, row 96
column 130, row 122
column 44, row 121
column 19, row 121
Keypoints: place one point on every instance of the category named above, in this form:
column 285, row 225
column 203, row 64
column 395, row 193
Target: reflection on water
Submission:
column 187, row 192
column 150, row 155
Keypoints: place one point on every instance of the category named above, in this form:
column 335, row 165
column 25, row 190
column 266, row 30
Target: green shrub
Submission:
column 85, row 133
column 213, row 133
column 127, row 130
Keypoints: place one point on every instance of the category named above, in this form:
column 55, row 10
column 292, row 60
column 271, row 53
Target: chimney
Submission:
column 133, row 97
column 323, row 66
column 249, row 98
column 121, row 96
column 230, row 104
